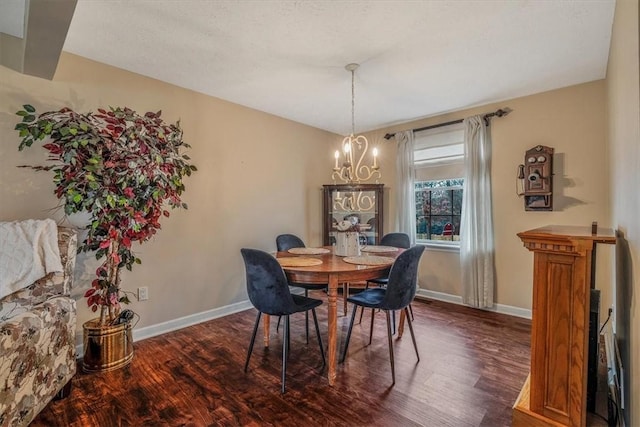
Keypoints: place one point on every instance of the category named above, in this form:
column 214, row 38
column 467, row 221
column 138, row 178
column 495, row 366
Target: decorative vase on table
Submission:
column 347, row 239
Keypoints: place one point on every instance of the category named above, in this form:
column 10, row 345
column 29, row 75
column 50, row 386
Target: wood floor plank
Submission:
column 472, row 366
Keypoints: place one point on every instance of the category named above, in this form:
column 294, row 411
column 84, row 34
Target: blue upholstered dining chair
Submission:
column 398, row 294
column 396, row 240
column 269, row 293
column 284, row 242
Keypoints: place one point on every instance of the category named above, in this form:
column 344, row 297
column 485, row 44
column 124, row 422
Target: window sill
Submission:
column 442, row 247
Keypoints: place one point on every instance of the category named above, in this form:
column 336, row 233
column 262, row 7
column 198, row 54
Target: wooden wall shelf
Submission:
column 555, row 393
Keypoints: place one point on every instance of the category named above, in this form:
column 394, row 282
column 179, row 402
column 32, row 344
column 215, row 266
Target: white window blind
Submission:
column 439, row 146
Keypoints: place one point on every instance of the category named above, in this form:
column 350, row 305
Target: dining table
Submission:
column 323, row 266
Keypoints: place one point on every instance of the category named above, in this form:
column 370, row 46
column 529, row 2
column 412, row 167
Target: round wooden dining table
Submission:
column 332, row 271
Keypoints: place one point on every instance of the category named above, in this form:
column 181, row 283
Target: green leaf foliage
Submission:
column 122, row 168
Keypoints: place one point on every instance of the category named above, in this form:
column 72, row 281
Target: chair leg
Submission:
column 411, row 311
column 64, row 392
column 288, row 337
column 393, row 368
column 253, row 340
column 366, row 286
column 278, row 324
column 413, row 337
column 306, row 318
column 315, row 321
column 345, row 295
column 346, row 343
column 393, row 320
column 373, row 313
column 285, row 351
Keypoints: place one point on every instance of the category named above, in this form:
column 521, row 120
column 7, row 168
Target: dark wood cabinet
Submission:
column 361, row 203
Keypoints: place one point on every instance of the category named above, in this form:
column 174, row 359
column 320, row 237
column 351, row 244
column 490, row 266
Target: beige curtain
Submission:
column 405, row 219
column 476, row 229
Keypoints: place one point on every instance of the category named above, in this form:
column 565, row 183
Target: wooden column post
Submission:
column 555, row 393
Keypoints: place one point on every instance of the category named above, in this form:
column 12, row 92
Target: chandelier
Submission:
column 354, row 150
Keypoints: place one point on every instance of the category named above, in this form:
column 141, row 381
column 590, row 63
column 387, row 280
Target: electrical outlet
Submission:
column 143, row 293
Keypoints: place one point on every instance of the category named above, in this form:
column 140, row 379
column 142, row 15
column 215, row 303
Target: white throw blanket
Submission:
column 28, row 252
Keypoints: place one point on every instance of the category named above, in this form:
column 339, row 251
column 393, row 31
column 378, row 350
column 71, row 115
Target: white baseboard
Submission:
column 457, row 299
column 179, row 323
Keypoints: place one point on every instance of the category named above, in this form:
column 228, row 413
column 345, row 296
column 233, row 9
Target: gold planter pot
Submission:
column 106, row 347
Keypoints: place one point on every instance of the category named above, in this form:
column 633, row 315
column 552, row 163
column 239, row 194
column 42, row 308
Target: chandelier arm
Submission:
column 363, row 145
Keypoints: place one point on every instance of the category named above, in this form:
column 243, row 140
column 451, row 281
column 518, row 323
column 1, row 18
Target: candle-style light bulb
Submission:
column 337, row 156
column 347, row 147
column 375, row 158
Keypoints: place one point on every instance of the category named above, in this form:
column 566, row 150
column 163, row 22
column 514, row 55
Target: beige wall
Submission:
column 623, row 102
column 573, row 121
column 259, row 175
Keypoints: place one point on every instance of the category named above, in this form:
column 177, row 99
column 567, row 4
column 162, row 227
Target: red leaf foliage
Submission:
column 122, row 168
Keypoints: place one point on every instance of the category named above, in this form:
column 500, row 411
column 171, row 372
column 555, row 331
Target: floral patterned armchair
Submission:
column 37, row 340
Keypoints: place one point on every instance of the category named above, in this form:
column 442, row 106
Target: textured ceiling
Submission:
column 287, row 58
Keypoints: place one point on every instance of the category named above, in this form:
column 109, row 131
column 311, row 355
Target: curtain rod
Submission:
column 498, row 113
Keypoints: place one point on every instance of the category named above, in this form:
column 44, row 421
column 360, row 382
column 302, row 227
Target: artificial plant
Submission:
column 120, row 167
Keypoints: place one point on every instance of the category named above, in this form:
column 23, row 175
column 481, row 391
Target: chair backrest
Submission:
column 266, row 283
column 284, row 242
column 397, row 240
column 403, row 278
column 372, row 223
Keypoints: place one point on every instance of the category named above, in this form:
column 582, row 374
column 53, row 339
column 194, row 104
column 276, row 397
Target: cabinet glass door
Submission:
column 360, row 204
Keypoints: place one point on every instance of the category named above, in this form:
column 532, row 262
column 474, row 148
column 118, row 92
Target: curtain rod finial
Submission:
column 503, row 111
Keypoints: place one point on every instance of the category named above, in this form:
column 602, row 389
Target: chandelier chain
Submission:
column 353, row 103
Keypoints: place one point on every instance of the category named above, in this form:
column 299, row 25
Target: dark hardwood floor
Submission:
column 472, row 366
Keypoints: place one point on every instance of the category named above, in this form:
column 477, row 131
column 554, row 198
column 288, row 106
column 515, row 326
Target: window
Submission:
column 439, row 169
column 438, row 210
